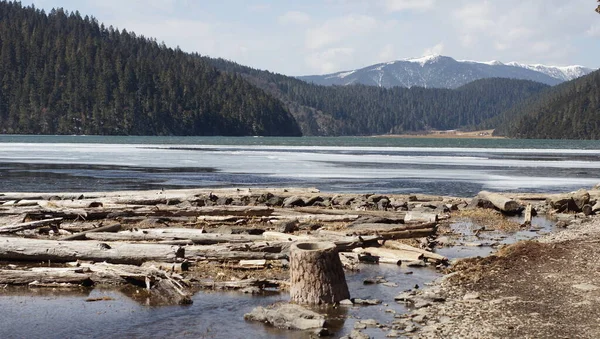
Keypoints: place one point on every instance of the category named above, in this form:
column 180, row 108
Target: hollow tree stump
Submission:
column 317, row 275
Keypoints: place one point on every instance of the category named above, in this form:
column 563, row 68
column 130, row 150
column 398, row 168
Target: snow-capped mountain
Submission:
column 445, row 72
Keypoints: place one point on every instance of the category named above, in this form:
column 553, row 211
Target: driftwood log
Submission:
column 317, row 275
column 500, row 202
column 195, row 236
column 47, row 277
column 82, row 235
column 29, row 225
column 21, row 249
column 427, row 255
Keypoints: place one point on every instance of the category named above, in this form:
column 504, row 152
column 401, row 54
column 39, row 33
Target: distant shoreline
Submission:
column 482, row 134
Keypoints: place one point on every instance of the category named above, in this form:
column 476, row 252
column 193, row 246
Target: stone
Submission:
column 405, row 296
column 346, row 302
column 471, row 296
column 287, row 316
column 358, row 335
column 419, row 318
column 288, row 226
column 393, row 334
column 275, row 201
column 358, row 301
column 312, row 200
column 586, row 287
column 422, row 303
column 293, row 201
column 370, row 322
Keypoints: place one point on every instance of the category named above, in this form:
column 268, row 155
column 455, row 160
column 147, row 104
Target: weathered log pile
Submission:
column 114, row 236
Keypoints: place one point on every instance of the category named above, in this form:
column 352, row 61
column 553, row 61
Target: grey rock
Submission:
column 586, row 287
column 393, row 334
column 346, row 302
column 370, row 322
column 312, row 200
column 287, row 316
column 288, row 226
column 275, row 201
column 358, row 301
column 358, row 335
column 471, row 296
column 293, row 201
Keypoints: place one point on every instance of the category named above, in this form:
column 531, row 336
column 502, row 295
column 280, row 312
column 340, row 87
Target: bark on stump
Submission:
column 317, row 275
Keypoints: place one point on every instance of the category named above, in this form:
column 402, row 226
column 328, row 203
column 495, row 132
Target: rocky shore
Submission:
column 169, row 244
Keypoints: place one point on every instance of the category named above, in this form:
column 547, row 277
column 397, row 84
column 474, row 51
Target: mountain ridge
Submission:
column 438, row 71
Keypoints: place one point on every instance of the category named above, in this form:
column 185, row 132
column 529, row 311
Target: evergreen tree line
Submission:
column 61, row 73
column 368, row 110
column 570, row 110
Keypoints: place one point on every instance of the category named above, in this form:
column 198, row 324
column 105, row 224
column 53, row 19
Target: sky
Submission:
column 324, row 36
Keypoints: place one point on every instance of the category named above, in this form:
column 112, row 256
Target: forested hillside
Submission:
column 366, row 110
column 568, row 111
column 64, row 74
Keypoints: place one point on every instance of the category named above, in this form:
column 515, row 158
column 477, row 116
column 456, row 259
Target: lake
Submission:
column 457, row 167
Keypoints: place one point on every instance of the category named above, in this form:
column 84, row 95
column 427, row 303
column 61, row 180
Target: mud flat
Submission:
column 167, row 245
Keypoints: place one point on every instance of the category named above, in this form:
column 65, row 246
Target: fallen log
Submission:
column 500, row 202
column 278, row 236
column 195, row 236
column 314, row 210
column 430, row 256
column 83, row 235
column 20, row 249
column 377, row 228
column 409, row 234
column 241, row 284
column 252, row 264
column 386, row 255
column 44, row 278
column 415, row 216
column 170, row 267
column 29, row 225
column 211, row 253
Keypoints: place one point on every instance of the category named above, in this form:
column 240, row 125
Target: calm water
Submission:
column 459, row 167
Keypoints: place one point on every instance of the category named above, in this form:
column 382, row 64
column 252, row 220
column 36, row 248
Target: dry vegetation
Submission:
column 488, row 218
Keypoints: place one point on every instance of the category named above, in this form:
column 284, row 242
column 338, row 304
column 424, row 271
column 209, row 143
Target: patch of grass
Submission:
column 490, row 219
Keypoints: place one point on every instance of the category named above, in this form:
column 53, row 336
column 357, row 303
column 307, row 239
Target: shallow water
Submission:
column 42, row 313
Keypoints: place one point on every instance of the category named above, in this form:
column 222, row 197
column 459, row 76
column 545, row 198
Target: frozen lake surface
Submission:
column 360, row 164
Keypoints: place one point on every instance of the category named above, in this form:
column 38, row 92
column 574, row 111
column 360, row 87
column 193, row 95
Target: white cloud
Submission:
column 437, row 49
column 330, row 60
column 294, row 17
column 387, row 53
column 258, row 8
column 594, row 31
column 337, row 29
column 403, row 5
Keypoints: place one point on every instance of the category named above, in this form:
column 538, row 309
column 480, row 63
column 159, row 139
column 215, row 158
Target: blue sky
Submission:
column 324, row 36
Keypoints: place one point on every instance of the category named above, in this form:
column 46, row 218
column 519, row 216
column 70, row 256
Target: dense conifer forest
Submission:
column 568, row 111
column 365, row 110
column 61, row 73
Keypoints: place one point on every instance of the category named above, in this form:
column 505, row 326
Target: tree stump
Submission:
column 317, row 275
